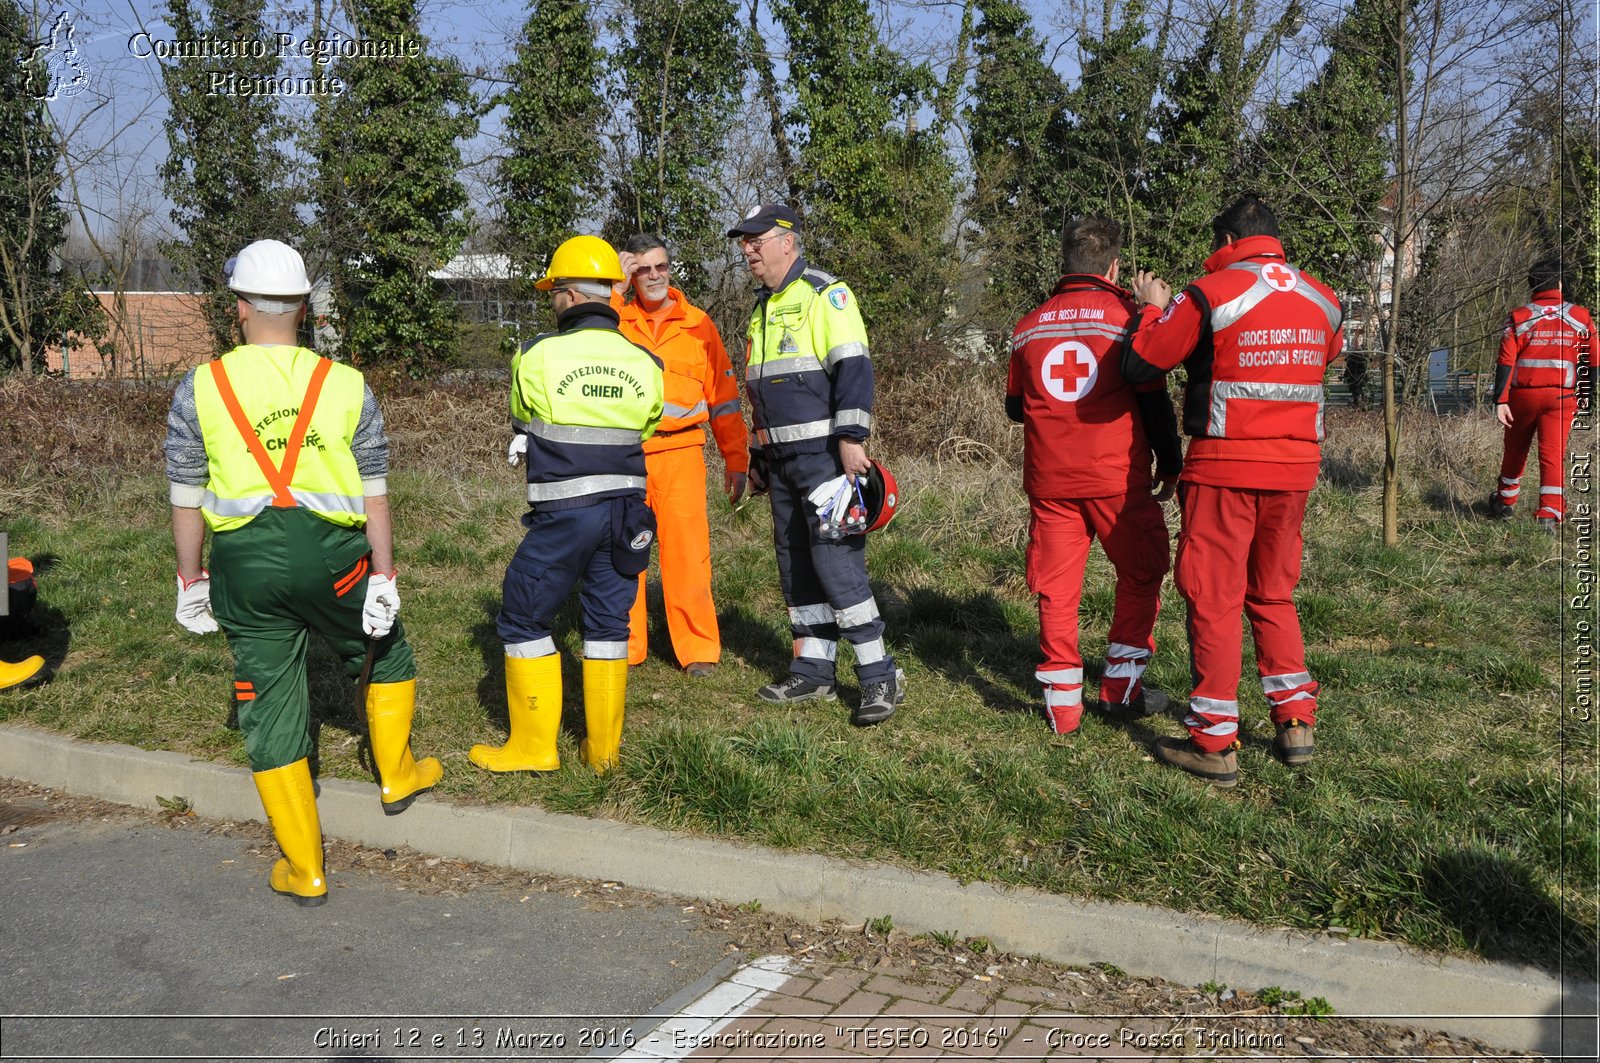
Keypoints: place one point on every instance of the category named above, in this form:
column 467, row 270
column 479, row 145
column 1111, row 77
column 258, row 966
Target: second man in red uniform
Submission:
column 1256, row 335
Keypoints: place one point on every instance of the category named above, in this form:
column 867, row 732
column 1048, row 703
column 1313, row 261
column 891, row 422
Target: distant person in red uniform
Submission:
column 1256, row 335
column 1087, row 441
column 1546, row 352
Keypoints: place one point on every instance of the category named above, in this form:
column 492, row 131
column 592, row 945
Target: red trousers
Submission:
column 1547, row 411
column 1133, row 534
column 675, row 488
column 1240, row 550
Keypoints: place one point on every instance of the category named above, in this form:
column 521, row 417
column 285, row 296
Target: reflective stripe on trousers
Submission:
column 819, row 574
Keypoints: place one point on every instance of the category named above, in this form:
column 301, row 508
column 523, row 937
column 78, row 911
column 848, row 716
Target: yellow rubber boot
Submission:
column 13, row 674
column 533, row 706
column 605, row 689
column 390, row 707
column 292, row 808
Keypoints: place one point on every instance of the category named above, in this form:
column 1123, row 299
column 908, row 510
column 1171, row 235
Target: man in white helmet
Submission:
column 282, row 455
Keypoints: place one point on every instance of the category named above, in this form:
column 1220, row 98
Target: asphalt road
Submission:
column 132, row 937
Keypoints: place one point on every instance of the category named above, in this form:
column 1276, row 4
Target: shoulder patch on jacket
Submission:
column 819, row 279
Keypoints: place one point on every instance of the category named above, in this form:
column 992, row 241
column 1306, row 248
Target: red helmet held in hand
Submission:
column 881, row 494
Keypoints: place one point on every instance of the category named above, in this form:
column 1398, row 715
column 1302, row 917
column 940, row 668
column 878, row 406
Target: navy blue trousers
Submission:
column 562, row 548
column 824, row 581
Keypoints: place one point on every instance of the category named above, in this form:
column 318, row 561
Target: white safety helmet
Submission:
column 266, row 271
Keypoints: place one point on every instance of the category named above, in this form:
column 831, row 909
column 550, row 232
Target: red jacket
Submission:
column 1257, row 335
column 1082, row 436
column 1544, row 344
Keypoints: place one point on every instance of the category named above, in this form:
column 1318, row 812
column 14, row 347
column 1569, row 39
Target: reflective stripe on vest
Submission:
column 1226, row 315
column 1223, row 391
column 582, row 434
column 1055, row 331
column 320, row 501
column 807, row 357
column 804, row 363
column 578, row 486
column 794, row 433
column 1231, row 311
column 1542, row 311
column 588, row 396
column 259, row 400
column 1569, row 372
column 1544, row 314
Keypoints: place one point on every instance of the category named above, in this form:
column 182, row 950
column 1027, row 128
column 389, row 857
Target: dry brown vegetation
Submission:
column 940, row 419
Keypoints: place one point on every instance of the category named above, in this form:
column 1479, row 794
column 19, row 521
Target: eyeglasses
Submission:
column 661, row 270
column 754, row 243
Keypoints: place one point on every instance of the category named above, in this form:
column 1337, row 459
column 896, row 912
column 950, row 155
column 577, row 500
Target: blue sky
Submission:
column 114, row 126
column 113, row 122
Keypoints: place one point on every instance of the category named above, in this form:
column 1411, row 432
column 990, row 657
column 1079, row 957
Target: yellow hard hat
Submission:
column 582, row 258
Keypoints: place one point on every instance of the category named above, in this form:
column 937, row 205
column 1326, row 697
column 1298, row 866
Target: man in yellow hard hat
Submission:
column 583, row 400
column 282, row 455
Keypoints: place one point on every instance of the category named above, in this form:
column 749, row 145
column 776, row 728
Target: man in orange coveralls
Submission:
column 1087, row 447
column 700, row 389
column 1256, row 335
column 1546, row 357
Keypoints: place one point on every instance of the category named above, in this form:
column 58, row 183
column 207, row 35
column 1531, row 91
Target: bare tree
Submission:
column 1454, row 97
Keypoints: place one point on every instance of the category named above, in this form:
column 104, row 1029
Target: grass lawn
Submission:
column 1452, row 803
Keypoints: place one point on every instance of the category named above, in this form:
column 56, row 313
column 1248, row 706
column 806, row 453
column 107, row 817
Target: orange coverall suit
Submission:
column 1257, row 335
column 700, row 388
column 1546, row 345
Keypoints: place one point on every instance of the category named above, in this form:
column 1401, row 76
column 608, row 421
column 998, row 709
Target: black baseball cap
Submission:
column 767, row 216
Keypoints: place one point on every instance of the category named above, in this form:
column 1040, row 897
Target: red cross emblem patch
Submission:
column 1280, row 277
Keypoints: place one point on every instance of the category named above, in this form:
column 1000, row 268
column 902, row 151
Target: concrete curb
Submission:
column 1518, row 1008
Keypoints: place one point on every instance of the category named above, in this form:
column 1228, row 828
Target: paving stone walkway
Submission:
column 781, row 1009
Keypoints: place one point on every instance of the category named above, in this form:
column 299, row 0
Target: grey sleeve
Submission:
column 185, row 448
column 371, row 445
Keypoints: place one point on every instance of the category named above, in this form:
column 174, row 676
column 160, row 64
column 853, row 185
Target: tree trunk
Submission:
column 1391, row 346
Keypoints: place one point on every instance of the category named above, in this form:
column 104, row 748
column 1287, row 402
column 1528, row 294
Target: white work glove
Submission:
column 194, row 604
column 517, row 450
column 383, row 604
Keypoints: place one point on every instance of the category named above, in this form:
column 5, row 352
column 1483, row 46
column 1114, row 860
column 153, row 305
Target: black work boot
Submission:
column 1498, row 510
column 1150, row 702
column 1219, row 769
column 797, row 688
column 878, row 700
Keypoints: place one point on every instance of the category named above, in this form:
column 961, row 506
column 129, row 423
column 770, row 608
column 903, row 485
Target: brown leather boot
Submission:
column 1219, row 769
column 1294, row 743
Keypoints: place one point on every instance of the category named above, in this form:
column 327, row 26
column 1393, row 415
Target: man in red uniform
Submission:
column 1547, row 347
column 1087, row 440
column 1257, row 335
